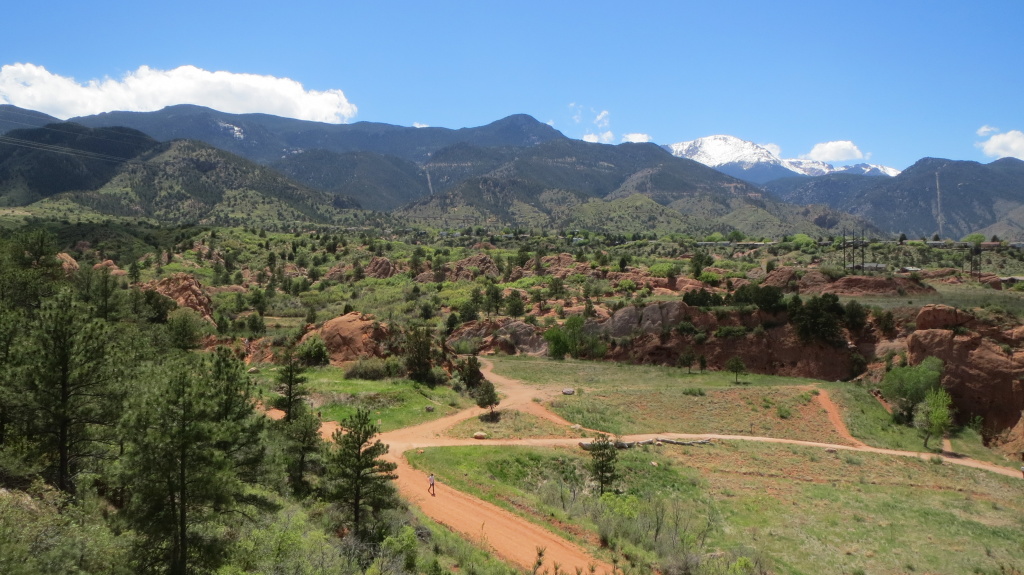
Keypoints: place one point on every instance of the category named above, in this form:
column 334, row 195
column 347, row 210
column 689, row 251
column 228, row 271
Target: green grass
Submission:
column 869, row 422
column 597, row 374
column 968, row 442
column 621, row 399
column 801, row 508
column 395, row 403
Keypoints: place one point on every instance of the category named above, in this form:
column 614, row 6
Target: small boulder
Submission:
column 480, row 435
column 568, row 391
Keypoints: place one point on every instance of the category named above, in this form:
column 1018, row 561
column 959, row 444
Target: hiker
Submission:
column 1022, row 470
column 430, row 487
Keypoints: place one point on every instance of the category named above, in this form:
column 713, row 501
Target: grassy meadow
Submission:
column 395, row 403
column 793, row 509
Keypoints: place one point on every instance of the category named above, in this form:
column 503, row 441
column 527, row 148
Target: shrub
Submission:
column 313, row 352
column 375, row 368
column 727, row 331
column 694, row 391
column 687, row 328
column 783, row 412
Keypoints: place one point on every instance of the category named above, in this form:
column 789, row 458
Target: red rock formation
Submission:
column 111, row 267
column 938, row 316
column 68, row 263
column 380, row 268
column 352, row 336
column 186, row 291
column 979, row 374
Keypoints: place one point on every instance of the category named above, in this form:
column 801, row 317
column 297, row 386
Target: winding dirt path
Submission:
column 515, row 539
column 504, row 534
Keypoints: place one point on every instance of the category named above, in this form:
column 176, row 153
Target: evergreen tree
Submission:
column 290, row 380
column 193, row 440
column 360, row 478
column 492, row 299
column 69, row 386
column 486, row 396
column 417, row 355
column 602, row 463
column 469, row 371
column 687, row 358
column 514, row 305
column 303, row 448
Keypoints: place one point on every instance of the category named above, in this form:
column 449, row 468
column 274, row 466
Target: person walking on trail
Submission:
column 430, row 485
column 1022, row 469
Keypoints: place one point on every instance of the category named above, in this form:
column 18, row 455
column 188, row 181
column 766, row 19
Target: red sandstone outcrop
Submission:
column 68, row 263
column 938, row 316
column 111, row 267
column 352, row 336
column 381, row 268
column 982, row 376
column 506, row 335
column 186, row 291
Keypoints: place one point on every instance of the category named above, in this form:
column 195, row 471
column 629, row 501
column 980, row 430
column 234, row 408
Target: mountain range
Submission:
column 754, row 163
column 513, row 172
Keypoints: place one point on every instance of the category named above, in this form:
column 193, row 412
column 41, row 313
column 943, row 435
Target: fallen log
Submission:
column 657, row 441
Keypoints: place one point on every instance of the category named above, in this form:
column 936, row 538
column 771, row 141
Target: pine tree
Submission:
column 69, row 386
column 487, row 396
column 602, row 464
column 417, row 355
column 193, row 440
column 291, row 382
column 361, row 479
column 303, row 448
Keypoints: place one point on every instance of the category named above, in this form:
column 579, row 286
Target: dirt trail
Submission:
column 515, row 539
column 836, row 418
column 502, row 533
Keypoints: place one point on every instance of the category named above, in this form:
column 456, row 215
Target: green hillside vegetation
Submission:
column 101, row 490
column 973, row 197
column 39, row 163
column 380, row 182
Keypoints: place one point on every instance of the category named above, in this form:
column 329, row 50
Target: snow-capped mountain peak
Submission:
column 752, row 162
column 719, row 150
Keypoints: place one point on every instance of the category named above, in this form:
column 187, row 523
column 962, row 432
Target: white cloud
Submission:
column 1009, row 144
column 838, row 151
column 147, row 89
column 986, row 130
column 602, row 120
column 775, row 149
column 577, row 112
column 603, row 138
column 419, row 125
column 636, row 138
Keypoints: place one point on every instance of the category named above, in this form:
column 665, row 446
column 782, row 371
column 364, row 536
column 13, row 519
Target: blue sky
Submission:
column 891, row 81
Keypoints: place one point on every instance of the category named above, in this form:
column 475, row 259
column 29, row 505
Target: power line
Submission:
column 63, row 150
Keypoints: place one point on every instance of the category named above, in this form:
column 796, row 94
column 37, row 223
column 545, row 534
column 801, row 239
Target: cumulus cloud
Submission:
column 419, row 125
column 602, row 138
column 775, row 149
column 986, row 130
column 636, row 138
column 147, row 89
column 837, row 151
column 602, row 120
column 1006, row 145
